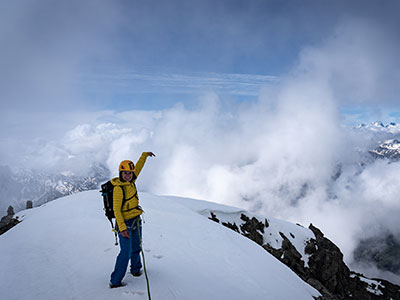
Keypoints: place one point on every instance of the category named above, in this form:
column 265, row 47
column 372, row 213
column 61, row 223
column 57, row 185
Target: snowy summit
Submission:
column 65, row 250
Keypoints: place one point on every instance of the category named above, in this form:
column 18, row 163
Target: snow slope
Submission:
column 65, row 250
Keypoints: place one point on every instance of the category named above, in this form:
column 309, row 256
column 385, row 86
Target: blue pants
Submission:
column 130, row 250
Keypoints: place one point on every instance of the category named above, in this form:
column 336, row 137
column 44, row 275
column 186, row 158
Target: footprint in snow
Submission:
column 147, row 250
column 158, row 256
column 132, row 293
column 108, row 249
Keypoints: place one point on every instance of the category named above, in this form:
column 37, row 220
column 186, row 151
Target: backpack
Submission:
column 107, row 190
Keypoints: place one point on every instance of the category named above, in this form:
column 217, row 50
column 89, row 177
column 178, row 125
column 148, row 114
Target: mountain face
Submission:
column 40, row 187
column 389, row 149
column 313, row 257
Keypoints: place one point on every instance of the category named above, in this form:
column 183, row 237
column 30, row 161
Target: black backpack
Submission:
column 107, row 190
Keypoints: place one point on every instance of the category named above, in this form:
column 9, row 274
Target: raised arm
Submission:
column 142, row 160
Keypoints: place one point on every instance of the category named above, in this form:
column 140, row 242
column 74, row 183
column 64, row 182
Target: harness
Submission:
column 124, row 199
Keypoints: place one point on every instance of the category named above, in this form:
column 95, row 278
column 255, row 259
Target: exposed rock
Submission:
column 326, row 264
column 8, row 222
column 213, row 217
column 321, row 288
column 29, row 204
column 292, row 258
column 251, row 228
column 10, row 211
column 325, row 269
column 231, row 226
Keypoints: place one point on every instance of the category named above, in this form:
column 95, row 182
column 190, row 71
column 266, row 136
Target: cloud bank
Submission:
column 358, row 61
column 281, row 158
column 286, row 155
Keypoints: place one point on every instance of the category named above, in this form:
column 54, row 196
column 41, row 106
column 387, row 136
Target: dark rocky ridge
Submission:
column 7, row 222
column 325, row 271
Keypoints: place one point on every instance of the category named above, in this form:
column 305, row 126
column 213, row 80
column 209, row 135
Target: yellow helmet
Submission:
column 126, row 165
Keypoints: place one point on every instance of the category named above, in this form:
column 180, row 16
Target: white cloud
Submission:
column 133, row 82
column 45, row 44
column 276, row 156
column 359, row 62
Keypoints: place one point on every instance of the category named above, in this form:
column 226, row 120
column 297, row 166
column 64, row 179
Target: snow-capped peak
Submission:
column 388, row 149
column 381, row 127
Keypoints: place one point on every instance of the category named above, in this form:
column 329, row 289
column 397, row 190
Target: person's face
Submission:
column 127, row 176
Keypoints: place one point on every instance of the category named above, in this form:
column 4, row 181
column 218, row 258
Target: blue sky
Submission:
column 61, row 62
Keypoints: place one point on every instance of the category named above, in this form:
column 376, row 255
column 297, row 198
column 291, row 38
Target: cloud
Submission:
column 285, row 155
column 44, row 45
column 276, row 157
column 359, row 61
column 370, row 268
column 133, row 82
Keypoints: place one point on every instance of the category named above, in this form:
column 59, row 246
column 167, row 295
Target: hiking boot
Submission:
column 112, row 286
column 138, row 273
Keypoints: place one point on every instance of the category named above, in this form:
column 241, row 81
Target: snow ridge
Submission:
column 64, row 250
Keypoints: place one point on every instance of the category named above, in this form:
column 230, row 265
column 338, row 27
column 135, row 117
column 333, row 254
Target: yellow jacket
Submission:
column 128, row 210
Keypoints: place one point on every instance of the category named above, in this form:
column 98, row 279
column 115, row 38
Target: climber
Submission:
column 128, row 222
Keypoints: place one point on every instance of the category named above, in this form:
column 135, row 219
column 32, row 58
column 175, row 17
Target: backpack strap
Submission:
column 123, row 196
column 135, row 195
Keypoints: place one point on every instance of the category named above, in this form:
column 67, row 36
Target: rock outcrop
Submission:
column 7, row 222
column 319, row 262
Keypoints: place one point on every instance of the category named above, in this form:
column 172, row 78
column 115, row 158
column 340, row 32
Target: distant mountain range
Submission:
column 18, row 187
column 385, row 140
column 380, row 127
